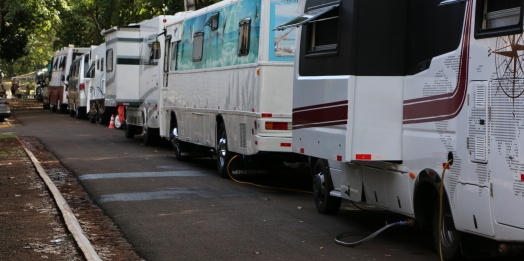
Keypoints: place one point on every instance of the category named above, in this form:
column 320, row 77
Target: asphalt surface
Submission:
column 171, row 210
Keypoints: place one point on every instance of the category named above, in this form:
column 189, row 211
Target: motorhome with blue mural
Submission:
column 228, row 81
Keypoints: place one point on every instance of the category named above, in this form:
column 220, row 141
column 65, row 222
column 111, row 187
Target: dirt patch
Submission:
column 30, row 223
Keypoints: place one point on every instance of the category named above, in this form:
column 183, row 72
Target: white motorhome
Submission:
column 56, row 96
column 229, row 81
column 77, row 80
column 142, row 115
column 391, row 95
column 97, row 87
column 122, row 72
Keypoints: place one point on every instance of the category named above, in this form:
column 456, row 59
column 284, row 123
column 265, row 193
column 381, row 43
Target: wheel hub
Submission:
column 318, row 185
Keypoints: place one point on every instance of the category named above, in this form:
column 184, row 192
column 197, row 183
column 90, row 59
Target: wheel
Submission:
column 53, row 107
column 99, row 119
column 322, row 185
column 80, row 113
column 63, row 108
column 72, row 112
column 180, row 147
column 118, row 124
column 449, row 235
column 2, row 119
column 223, row 155
column 129, row 131
column 92, row 118
column 150, row 136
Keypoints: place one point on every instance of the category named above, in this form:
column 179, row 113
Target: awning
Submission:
column 306, row 17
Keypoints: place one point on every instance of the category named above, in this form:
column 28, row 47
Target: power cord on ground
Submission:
column 258, row 185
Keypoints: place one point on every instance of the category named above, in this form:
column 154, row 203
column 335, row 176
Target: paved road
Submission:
column 171, row 210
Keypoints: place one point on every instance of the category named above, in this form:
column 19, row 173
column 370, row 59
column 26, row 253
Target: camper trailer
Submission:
column 97, row 88
column 141, row 113
column 229, row 81
column 393, row 100
column 122, row 72
column 57, row 96
column 76, row 81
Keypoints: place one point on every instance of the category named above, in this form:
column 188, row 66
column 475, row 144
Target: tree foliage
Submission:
column 31, row 30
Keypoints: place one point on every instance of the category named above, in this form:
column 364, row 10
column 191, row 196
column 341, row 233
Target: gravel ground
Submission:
column 31, row 226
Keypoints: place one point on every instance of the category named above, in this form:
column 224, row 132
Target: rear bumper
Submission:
column 5, row 114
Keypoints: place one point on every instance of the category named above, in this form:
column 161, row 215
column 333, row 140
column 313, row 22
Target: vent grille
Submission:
column 243, row 135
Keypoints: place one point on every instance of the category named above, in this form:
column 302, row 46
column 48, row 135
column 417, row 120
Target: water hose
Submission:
column 409, row 222
column 440, row 214
column 258, row 185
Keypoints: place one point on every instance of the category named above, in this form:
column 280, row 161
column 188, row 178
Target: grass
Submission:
column 7, row 136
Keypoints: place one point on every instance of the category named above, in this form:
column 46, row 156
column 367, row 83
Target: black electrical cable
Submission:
column 373, row 235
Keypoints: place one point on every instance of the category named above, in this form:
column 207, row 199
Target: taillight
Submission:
column 82, row 86
column 278, row 125
column 267, row 115
column 6, row 102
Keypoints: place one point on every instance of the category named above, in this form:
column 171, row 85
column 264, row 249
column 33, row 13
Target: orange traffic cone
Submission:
column 112, row 122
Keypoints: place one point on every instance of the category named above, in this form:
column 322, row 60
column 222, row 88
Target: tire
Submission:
column 129, row 131
column 223, row 154
column 118, row 124
column 150, row 136
column 322, row 185
column 53, row 108
column 2, row 119
column 63, row 108
column 72, row 113
column 99, row 119
column 450, row 236
column 80, row 113
column 92, row 118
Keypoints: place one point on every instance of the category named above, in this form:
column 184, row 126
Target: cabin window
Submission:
column 102, row 64
column 322, row 33
column 174, row 53
column 109, row 60
column 198, row 46
column 98, row 64
column 91, row 72
column 212, row 21
column 243, row 36
column 86, row 64
column 167, row 44
column 498, row 17
column 62, row 62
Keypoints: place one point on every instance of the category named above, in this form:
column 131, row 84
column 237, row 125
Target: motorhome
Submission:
column 229, row 81
column 141, row 113
column 57, row 96
column 77, row 80
column 122, row 72
column 97, row 88
column 393, row 100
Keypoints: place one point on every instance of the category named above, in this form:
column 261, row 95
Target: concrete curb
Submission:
column 71, row 222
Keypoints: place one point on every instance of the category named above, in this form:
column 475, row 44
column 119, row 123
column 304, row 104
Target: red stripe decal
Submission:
column 444, row 106
column 320, row 115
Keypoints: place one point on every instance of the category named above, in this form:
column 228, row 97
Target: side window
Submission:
column 498, row 17
column 243, row 36
column 102, row 64
column 109, row 61
column 98, row 64
column 174, row 52
column 322, row 33
column 167, row 46
column 86, row 65
column 198, row 46
column 62, row 62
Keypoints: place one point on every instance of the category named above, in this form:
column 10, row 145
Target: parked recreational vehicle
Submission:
column 142, row 117
column 229, row 81
column 394, row 100
column 122, row 72
column 57, row 97
column 77, row 80
column 97, row 88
